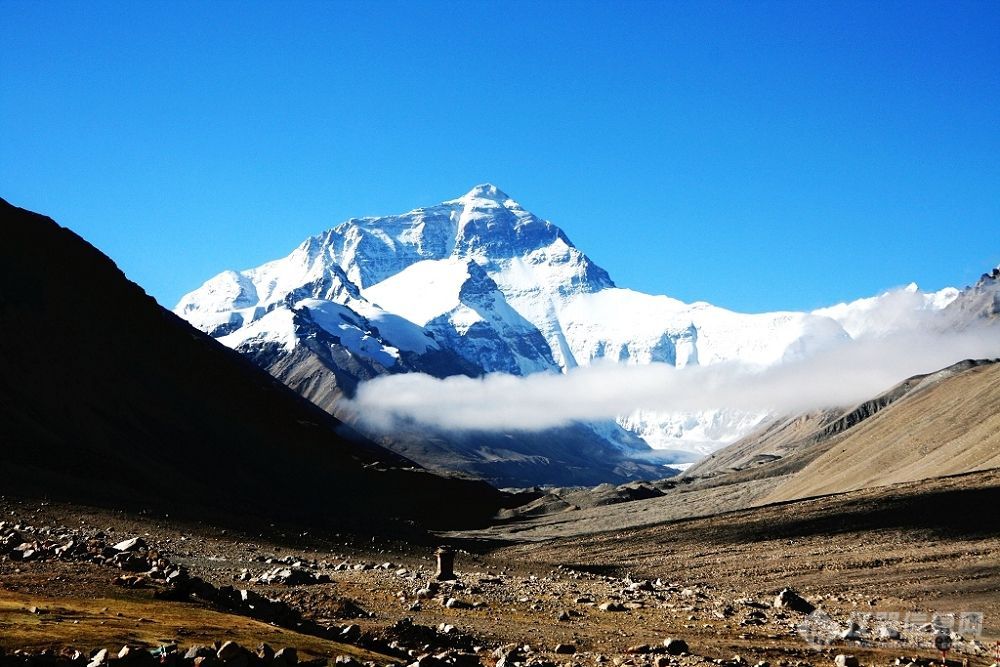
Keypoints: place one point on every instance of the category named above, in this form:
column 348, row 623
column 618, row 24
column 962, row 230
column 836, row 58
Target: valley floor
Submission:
column 913, row 550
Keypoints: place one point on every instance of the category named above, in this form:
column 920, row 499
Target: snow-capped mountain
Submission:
column 457, row 303
column 976, row 304
column 500, row 289
column 890, row 311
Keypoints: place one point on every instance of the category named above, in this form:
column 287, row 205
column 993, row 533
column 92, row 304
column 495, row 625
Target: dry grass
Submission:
column 952, row 426
column 87, row 623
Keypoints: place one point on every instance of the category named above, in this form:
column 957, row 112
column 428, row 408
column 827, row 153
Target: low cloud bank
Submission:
column 841, row 375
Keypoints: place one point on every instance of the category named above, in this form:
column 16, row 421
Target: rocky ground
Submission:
column 709, row 591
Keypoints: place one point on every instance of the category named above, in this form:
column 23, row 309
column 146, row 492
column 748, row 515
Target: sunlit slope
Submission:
column 950, row 424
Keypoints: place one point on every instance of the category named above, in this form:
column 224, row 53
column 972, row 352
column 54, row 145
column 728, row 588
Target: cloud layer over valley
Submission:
column 840, row 375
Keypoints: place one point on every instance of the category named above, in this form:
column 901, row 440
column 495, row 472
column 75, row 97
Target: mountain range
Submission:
column 479, row 285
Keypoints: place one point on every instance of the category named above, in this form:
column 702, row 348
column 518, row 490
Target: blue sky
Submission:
column 757, row 155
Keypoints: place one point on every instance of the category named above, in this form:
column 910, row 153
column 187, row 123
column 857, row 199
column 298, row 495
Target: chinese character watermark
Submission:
column 894, row 628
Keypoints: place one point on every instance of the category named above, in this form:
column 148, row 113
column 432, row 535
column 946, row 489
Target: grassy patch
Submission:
column 87, row 623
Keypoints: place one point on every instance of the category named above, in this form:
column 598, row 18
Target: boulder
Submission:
column 853, row 631
column 134, row 656
column 98, row 658
column 229, row 651
column 350, row 633
column 288, row 654
column 198, row 652
column 133, row 544
column 843, row 660
column 675, row 646
column 789, row 599
column 265, row 652
column 288, row 576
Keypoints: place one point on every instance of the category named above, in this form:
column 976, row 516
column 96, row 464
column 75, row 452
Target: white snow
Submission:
column 451, row 296
column 276, row 326
column 422, row 291
column 403, row 333
column 351, row 329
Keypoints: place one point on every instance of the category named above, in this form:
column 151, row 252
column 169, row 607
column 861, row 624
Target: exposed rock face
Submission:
column 978, row 304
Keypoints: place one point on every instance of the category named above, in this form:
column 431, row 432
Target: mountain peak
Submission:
column 486, row 191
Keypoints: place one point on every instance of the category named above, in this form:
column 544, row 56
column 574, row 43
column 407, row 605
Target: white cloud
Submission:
column 839, row 376
column 893, row 311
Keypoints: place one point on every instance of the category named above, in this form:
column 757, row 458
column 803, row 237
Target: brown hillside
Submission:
column 949, row 425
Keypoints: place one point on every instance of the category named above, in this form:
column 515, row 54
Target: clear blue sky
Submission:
column 758, row 155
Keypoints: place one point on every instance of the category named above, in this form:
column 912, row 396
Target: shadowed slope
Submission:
column 105, row 397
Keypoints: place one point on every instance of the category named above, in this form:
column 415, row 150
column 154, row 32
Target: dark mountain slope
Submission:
column 105, row 397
